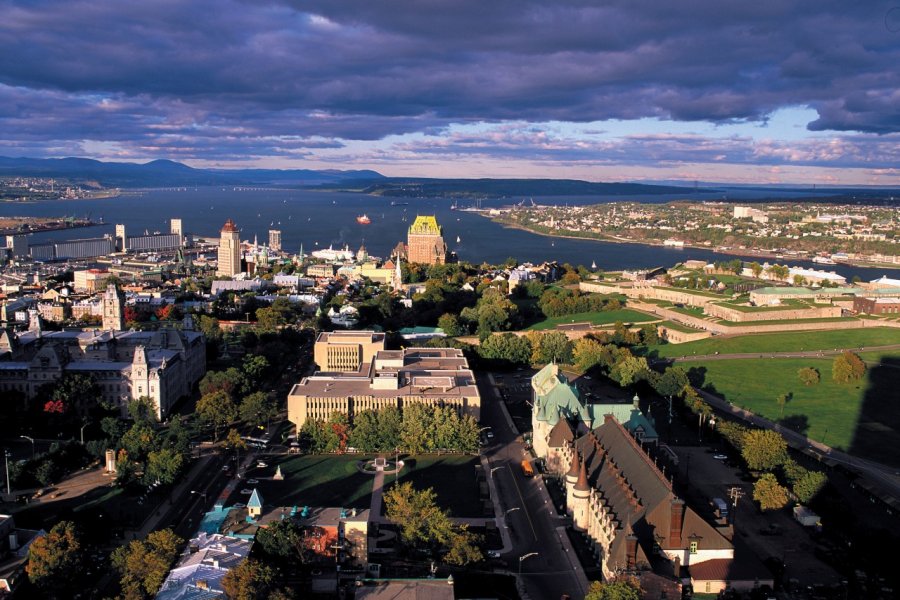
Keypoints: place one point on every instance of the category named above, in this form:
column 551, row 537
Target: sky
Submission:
column 768, row 91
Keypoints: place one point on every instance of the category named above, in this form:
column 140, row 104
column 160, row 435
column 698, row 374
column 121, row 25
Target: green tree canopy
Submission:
column 143, row 564
column 164, row 465
column 769, row 493
column 763, row 449
column 55, row 560
column 808, row 376
column 622, row 589
column 250, row 580
column 847, row 367
column 216, row 409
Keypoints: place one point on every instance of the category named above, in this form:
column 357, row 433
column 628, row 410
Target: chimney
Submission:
column 631, row 543
column 676, row 519
column 13, row 541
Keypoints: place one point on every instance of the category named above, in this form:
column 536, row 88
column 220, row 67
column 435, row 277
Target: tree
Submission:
column 621, row 589
column 769, row 493
column 808, row 485
column 551, row 347
column 756, row 269
column 234, row 441
column 587, row 353
column 390, row 425
column 847, row 367
column 629, row 370
column 143, row 564
column 143, row 410
column 164, row 466
column 423, row 523
column 54, row 560
column 255, row 367
column 365, row 435
column 216, row 409
column 450, row 325
column 763, row 449
column 506, row 347
column 250, row 580
column 672, row 382
column 257, row 409
column 282, row 540
column 139, row 441
column 415, row 435
column 337, row 433
column 808, row 376
column 782, row 401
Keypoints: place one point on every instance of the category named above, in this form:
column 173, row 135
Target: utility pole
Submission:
column 735, row 493
column 6, row 457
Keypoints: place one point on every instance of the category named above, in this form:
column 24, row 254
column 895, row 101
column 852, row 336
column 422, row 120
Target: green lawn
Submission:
column 315, row 480
column 453, row 480
column 604, row 317
column 857, row 417
column 783, row 342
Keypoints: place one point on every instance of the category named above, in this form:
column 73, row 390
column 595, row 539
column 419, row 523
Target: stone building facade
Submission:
column 425, row 242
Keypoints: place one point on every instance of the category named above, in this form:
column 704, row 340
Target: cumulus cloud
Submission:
column 226, row 78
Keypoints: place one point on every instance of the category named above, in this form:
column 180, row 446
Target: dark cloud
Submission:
column 225, row 78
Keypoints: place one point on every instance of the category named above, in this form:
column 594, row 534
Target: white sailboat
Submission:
column 458, row 240
column 594, row 265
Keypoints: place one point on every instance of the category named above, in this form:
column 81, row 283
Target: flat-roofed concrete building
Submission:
column 346, row 350
column 431, row 376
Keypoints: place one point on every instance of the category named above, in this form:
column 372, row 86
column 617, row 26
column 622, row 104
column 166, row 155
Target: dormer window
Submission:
column 693, row 547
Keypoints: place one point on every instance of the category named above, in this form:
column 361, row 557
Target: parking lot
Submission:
column 775, row 537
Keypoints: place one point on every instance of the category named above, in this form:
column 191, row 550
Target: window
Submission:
column 693, row 547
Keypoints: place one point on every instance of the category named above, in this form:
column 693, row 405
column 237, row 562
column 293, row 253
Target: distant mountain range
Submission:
column 415, row 187
column 167, row 173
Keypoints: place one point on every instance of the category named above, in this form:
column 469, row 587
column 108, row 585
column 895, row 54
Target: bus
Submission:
column 527, row 470
column 255, row 442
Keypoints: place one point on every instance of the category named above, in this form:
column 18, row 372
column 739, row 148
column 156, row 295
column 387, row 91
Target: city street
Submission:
column 548, row 563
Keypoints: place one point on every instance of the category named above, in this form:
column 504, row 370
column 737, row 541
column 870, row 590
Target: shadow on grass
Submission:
column 798, row 423
column 453, row 480
column 877, row 434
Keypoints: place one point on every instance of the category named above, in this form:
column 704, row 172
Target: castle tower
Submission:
column 571, row 480
column 140, row 379
column 426, row 242
column 229, row 250
column 580, row 494
column 113, row 304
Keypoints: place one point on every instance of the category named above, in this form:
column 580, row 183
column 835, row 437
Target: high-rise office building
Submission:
column 229, row 250
column 425, row 242
column 275, row 240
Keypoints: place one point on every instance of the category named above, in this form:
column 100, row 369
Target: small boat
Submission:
column 594, row 265
column 363, row 220
column 458, row 240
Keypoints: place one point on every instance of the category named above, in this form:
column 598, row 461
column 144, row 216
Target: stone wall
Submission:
column 735, row 315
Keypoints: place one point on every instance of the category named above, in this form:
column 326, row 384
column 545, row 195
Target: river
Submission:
column 318, row 219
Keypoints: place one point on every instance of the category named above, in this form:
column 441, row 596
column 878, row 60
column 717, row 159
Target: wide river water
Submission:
column 318, row 219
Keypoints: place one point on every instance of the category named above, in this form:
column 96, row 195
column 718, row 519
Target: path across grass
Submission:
column 783, row 342
column 603, row 317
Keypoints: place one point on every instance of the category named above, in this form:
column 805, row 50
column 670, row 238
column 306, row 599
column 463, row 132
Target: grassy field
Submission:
column 853, row 417
column 453, row 480
column 783, row 342
column 316, row 480
column 625, row 315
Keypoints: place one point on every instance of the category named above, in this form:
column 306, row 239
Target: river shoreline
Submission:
column 730, row 252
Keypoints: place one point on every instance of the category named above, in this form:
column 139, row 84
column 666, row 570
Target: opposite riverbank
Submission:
column 741, row 252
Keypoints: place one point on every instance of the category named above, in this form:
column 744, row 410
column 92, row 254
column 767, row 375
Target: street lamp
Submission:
column 509, row 510
column 202, row 494
column 82, row 432
column 6, row 456
column 30, row 439
column 495, row 468
column 523, row 557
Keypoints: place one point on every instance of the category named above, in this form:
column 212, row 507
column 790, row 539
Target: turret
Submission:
column 580, row 494
column 571, row 479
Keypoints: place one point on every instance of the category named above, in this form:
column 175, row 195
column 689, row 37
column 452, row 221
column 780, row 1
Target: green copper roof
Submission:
column 555, row 397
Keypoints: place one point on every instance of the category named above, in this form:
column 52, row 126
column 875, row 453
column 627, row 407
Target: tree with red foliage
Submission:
column 55, row 407
column 131, row 314
column 164, row 313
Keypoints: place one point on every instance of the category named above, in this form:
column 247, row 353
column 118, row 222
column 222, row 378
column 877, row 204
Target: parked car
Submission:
column 252, row 481
column 246, row 492
column 261, row 464
column 720, row 456
column 493, row 554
